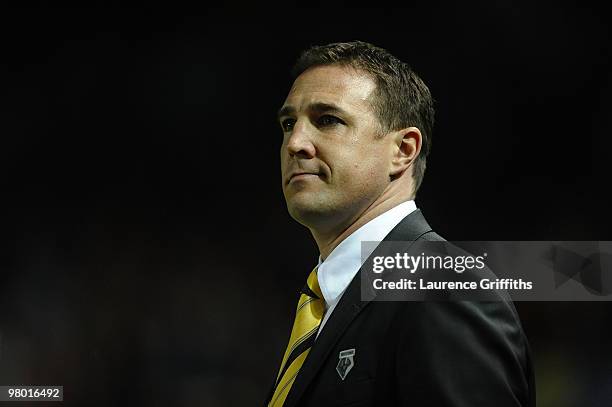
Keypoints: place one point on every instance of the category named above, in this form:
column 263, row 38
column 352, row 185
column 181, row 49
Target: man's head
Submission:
column 357, row 120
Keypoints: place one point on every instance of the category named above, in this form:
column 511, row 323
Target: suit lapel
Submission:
column 350, row 305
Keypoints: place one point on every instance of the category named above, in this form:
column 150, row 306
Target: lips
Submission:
column 301, row 174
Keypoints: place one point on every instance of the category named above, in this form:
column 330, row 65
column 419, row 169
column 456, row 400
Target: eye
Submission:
column 329, row 120
column 287, row 124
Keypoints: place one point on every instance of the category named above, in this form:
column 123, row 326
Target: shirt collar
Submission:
column 343, row 263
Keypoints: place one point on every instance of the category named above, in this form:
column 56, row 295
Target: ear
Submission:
column 406, row 148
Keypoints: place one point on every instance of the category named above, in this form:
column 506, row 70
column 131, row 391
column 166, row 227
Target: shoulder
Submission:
column 431, row 236
column 463, row 350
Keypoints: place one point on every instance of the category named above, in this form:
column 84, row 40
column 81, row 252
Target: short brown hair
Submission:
column 401, row 98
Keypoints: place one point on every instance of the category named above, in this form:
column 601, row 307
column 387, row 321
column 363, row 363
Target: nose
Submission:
column 300, row 141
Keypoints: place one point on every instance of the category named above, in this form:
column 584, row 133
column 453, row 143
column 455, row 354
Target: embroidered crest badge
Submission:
column 346, row 362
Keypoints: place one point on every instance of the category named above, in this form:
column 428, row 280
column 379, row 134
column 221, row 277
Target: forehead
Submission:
column 344, row 87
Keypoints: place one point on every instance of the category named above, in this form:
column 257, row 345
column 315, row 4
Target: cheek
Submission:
column 363, row 176
column 359, row 167
column 370, row 163
column 283, row 157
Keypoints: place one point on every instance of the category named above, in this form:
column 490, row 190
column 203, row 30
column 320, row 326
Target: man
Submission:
column 357, row 126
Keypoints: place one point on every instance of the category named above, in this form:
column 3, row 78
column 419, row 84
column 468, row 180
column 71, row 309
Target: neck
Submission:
column 328, row 240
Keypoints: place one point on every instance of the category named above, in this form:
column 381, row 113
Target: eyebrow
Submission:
column 318, row 107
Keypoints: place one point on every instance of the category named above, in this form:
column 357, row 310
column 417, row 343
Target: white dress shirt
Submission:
column 343, row 263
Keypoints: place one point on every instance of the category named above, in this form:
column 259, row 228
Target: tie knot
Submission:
column 311, row 288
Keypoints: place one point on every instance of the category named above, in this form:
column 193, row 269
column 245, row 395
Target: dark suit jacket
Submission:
column 430, row 353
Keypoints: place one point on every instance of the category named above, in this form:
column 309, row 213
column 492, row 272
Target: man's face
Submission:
column 333, row 162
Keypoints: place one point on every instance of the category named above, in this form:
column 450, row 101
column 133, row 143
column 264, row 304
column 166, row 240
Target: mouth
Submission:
column 302, row 176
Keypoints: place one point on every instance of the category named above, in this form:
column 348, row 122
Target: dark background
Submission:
column 147, row 256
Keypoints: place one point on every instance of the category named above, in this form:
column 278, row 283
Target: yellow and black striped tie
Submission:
column 310, row 310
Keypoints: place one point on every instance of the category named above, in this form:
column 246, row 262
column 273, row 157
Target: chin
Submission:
column 306, row 213
column 312, row 213
column 303, row 214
